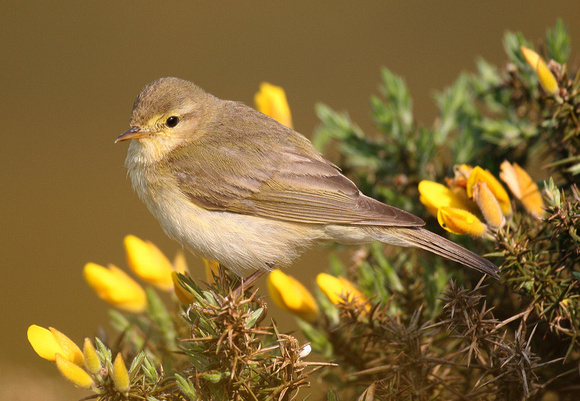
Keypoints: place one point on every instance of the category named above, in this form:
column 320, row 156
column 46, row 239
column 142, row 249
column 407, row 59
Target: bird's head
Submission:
column 166, row 115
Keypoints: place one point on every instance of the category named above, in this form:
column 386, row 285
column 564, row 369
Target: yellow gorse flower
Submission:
column 488, row 205
column 339, row 289
column 435, row 195
column 54, row 346
column 523, row 188
column 49, row 342
column 455, row 203
column 459, row 221
column 148, row 262
column 472, row 192
column 290, row 295
column 271, row 100
column 115, row 287
column 480, row 175
column 73, row 372
column 545, row 76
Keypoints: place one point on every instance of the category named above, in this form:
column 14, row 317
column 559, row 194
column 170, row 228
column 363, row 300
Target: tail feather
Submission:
column 425, row 239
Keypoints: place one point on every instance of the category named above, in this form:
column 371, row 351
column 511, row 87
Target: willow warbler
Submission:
column 235, row 186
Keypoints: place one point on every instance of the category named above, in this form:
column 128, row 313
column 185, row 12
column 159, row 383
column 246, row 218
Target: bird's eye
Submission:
column 172, row 121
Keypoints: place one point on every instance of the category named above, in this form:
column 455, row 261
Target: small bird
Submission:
column 235, row 186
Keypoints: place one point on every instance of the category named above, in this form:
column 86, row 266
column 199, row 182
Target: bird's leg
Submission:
column 247, row 283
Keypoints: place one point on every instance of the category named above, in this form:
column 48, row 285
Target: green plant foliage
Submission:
column 428, row 338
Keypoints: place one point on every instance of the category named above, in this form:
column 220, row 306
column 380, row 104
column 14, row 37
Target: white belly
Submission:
column 239, row 242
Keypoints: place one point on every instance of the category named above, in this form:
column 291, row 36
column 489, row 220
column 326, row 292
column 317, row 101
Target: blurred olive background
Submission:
column 70, row 72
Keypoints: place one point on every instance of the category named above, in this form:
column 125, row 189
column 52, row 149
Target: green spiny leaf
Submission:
column 558, row 42
column 187, row 387
column 512, row 43
column 161, row 317
column 149, row 370
column 136, row 364
column 254, row 316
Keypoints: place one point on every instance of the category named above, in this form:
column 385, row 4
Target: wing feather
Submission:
column 240, row 172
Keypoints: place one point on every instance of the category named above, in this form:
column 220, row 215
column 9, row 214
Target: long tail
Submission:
column 425, row 239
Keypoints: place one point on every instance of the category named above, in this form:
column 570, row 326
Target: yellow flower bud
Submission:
column 290, row 295
column 547, row 79
column 271, row 100
column 115, row 287
column 73, row 372
column 92, row 361
column 339, row 289
column 531, row 57
column 148, row 262
column 545, row 76
column 184, row 296
column 435, row 195
column 480, row 175
column 459, row 221
column 488, row 205
column 120, row 375
column 49, row 342
column 523, row 188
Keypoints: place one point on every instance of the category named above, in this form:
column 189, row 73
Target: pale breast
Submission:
column 239, row 242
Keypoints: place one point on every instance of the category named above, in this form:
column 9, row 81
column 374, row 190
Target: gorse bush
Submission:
column 386, row 324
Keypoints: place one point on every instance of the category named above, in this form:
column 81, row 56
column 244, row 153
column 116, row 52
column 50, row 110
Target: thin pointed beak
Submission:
column 133, row 133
